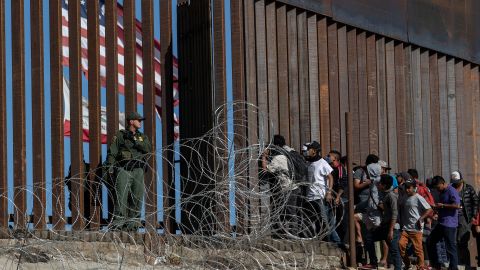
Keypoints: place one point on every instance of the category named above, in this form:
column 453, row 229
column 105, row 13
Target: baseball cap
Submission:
column 384, row 164
column 135, row 116
column 456, row 177
column 314, row 145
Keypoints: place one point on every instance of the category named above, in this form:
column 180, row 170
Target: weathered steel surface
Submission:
column 452, row 113
column 56, row 100
column 323, row 73
column 400, row 96
column 304, row 99
column 261, row 56
column 282, row 44
column 130, row 56
column 435, row 115
column 352, row 96
column 318, row 6
column 426, row 115
column 167, row 114
column 38, row 114
column 410, row 127
column 385, row 17
column 18, row 108
column 94, row 96
column 333, row 93
column 149, row 112
column 313, row 78
column 3, row 122
column 362, row 94
column 372, row 91
column 443, row 104
column 391, row 103
column 382, row 99
column 272, row 67
column 76, row 142
column 342, row 84
column 295, row 140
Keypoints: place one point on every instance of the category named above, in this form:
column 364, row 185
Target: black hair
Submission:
column 413, row 173
column 436, row 180
column 337, row 154
column 386, row 180
column 371, row 159
column 278, row 140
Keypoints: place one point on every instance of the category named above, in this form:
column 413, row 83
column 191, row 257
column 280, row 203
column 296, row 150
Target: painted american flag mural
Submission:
column 121, row 68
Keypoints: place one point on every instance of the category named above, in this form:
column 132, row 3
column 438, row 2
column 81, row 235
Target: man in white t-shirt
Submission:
column 413, row 212
column 319, row 194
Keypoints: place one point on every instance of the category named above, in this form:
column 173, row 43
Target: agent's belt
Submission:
column 132, row 164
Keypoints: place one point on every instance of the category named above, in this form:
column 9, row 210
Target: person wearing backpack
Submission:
column 361, row 185
column 468, row 211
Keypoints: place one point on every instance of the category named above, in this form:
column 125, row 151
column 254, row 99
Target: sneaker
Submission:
column 369, row 266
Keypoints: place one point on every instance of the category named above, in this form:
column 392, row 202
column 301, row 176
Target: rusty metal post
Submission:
column 76, row 139
column 351, row 223
column 130, row 56
column 112, row 81
column 167, row 115
column 18, row 105
column 95, row 157
column 56, row 105
column 3, row 124
column 38, row 121
column 149, row 113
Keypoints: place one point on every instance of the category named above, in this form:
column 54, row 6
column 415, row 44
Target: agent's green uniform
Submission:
column 127, row 154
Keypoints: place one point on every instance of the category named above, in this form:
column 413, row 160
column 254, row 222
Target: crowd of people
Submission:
column 430, row 221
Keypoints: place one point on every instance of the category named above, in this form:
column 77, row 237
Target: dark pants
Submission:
column 463, row 236
column 380, row 234
column 320, row 220
column 449, row 235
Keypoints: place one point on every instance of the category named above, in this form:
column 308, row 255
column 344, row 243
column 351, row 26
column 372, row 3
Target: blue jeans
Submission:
column 449, row 235
column 320, row 215
column 379, row 234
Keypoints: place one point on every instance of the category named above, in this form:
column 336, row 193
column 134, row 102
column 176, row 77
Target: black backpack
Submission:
column 299, row 167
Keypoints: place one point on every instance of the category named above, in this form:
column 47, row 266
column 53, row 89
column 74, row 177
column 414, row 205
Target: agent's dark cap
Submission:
column 314, row 145
column 134, row 116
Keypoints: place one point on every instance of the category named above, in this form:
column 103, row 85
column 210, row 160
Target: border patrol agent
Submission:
column 127, row 155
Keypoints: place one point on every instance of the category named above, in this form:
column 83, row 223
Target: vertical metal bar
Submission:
column 452, row 114
column 76, row 141
column 323, row 73
column 444, row 127
column 284, row 113
column 18, row 105
column 38, row 121
column 112, row 68
column 261, row 54
column 351, row 198
column 391, row 112
column 333, row 93
column 426, row 120
column 149, row 112
column 3, row 124
column 410, row 131
column 352, row 96
column 362, row 94
column 435, row 115
column 382, row 99
column 220, row 96
column 167, row 114
column 272, row 71
column 56, row 101
column 314, row 92
column 343, row 84
column 239, row 116
column 112, row 81
column 400, row 96
column 372, row 94
column 303, row 84
column 293, row 78
column 130, row 56
column 94, row 114
column 251, row 89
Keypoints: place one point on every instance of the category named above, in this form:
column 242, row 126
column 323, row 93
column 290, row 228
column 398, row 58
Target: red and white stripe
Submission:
column 121, row 65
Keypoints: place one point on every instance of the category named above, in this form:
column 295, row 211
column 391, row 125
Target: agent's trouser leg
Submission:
column 122, row 189
column 463, row 236
column 137, row 190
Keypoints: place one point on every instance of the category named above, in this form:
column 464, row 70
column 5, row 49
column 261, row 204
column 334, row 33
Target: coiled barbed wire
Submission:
column 220, row 174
